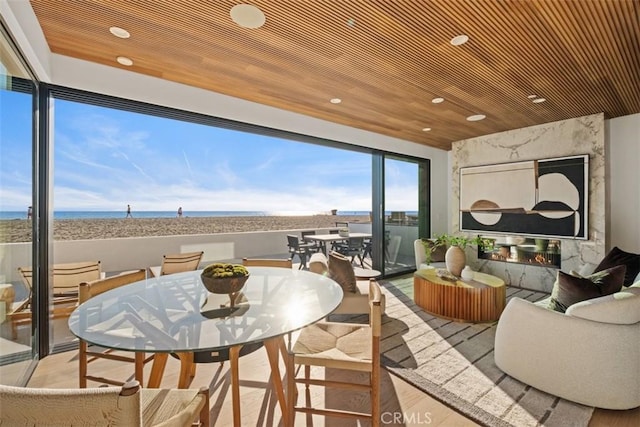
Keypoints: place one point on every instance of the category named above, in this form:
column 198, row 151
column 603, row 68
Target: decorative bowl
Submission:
column 223, row 285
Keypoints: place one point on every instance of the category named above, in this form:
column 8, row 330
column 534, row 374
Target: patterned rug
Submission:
column 453, row 362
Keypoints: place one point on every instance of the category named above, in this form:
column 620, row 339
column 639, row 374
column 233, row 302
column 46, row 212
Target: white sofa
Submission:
column 589, row 355
column 353, row 302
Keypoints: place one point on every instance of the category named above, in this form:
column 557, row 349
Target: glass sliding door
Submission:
column 18, row 329
column 404, row 211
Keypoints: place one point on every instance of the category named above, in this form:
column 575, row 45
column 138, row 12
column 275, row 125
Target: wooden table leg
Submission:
column 157, row 369
column 273, row 347
column 186, row 369
column 234, row 355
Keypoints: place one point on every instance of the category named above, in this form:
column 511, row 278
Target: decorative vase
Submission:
column 455, row 260
column 467, row 273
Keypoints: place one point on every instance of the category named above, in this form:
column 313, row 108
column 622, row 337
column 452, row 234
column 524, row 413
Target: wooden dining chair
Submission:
column 177, row 263
column 88, row 353
column 341, row 346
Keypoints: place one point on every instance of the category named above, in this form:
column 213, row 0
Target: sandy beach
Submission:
column 18, row 230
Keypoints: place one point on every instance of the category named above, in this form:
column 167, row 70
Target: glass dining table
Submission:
column 175, row 314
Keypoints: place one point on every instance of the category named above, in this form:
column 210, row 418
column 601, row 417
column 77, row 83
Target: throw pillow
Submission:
column 569, row 289
column 617, row 256
column 341, row 270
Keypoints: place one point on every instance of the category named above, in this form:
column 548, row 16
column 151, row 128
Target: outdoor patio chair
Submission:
column 350, row 346
column 353, row 248
column 88, row 353
column 315, row 246
column 126, row 406
column 177, row 263
column 302, row 250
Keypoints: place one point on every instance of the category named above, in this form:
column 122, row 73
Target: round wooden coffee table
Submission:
column 481, row 299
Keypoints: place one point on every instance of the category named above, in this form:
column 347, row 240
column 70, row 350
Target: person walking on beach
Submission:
column 180, row 212
column 129, row 212
column 30, row 212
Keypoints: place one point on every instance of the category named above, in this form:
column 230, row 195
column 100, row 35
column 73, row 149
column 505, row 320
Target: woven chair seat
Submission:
column 340, row 345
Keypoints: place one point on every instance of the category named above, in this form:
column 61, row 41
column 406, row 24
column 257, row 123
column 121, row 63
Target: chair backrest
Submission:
column 66, row 276
column 356, row 243
column 266, row 262
column 117, row 406
column 292, row 241
column 88, row 290
column 307, row 233
column 178, row 263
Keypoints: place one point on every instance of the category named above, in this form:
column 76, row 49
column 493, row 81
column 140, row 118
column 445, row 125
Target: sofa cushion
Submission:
column 569, row 289
column 617, row 256
column 341, row 270
column 621, row 308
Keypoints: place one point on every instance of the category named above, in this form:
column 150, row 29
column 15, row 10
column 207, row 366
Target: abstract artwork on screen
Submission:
column 546, row 197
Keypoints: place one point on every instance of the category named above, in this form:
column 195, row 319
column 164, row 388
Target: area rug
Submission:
column 453, row 362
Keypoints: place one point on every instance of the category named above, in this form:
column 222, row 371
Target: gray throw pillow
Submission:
column 569, row 289
column 341, row 270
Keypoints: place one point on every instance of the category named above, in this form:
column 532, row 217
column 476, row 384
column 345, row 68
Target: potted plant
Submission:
column 224, row 278
column 455, row 258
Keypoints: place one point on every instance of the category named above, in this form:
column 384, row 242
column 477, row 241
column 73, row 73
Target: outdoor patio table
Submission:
column 324, row 238
column 176, row 314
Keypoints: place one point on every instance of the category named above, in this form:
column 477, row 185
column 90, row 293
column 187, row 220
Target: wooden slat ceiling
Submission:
column 386, row 59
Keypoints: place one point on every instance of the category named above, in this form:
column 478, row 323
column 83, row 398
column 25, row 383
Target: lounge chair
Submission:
column 66, row 278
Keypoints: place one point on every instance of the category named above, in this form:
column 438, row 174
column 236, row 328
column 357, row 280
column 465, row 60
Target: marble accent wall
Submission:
column 583, row 135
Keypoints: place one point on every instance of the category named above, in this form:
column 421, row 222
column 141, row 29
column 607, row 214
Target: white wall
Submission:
column 623, row 182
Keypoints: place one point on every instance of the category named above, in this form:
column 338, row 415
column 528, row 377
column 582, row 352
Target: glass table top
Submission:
column 175, row 313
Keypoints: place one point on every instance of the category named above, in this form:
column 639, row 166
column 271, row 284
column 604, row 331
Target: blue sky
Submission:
column 105, row 159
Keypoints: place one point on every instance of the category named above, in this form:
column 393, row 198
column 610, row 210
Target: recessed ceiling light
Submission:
column 336, row 101
column 476, row 117
column 120, row 32
column 458, row 40
column 437, row 100
column 123, row 60
column 351, row 22
column 247, row 16
column 538, row 100
column 532, row 96
column 426, row 129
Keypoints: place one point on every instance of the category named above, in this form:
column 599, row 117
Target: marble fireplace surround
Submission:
column 582, row 135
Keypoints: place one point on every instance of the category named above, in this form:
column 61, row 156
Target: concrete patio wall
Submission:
column 141, row 252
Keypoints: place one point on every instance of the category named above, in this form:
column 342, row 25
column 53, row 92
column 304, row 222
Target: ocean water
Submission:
column 167, row 214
